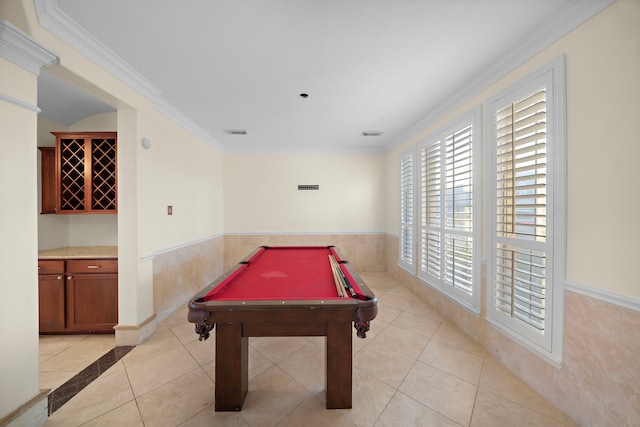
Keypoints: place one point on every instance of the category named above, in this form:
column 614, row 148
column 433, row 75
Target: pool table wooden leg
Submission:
column 232, row 367
column 338, row 365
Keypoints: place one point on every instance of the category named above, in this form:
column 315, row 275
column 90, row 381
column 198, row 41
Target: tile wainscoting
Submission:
column 181, row 273
column 599, row 381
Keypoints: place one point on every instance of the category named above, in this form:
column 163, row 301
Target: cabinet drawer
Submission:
column 79, row 266
column 50, row 267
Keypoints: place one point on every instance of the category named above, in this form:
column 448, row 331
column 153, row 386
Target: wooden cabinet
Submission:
column 82, row 298
column 92, row 295
column 51, row 301
column 85, row 173
column 48, row 175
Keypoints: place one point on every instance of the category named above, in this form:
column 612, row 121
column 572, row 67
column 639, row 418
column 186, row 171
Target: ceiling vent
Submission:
column 308, row 187
column 236, row 131
column 371, row 133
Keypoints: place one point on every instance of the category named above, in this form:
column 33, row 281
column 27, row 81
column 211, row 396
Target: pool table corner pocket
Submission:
column 202, row 328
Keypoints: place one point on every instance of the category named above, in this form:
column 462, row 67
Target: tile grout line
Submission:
column 135, row 398
column 475, row 398
column 416, row 360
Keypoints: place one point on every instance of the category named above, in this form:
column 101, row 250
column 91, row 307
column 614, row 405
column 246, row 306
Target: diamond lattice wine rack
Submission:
column 87, row 172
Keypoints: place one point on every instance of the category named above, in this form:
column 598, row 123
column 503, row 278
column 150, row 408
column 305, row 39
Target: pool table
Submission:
column 284, row 291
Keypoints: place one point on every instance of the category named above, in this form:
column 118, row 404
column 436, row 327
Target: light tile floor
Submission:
column 413, row 369
column 64, row 356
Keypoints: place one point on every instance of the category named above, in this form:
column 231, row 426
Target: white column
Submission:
column 21, row 58
column 135, row 276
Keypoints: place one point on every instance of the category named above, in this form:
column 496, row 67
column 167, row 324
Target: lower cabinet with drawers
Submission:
column 78, row 295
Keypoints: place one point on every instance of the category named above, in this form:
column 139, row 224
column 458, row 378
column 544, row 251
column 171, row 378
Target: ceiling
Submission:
column 366, row 65
column 64, row 103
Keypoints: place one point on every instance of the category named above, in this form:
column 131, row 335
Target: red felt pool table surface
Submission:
column 281, row 272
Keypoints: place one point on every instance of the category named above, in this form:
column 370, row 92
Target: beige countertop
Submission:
column 80, row 252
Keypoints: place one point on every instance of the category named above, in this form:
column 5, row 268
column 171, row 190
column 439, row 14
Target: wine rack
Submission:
column 87, row 172
column 103, row 167
column 72, row 175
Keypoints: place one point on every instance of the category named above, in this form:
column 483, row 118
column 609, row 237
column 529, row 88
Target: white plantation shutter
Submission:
column 459, row 210
column 520, row 288
column 447, row 185
column 407, row 212
column 431, row 209
column 527, row 244
column 521, row 178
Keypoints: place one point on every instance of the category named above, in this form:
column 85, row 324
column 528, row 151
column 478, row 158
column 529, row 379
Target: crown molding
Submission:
column 561, row 24
column 61, row 25
column 19, row 48
column 52, row 18
column 180, row 118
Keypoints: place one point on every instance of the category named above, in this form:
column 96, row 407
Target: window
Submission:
column 406, row 255
column 449, row 210
column 526, row 254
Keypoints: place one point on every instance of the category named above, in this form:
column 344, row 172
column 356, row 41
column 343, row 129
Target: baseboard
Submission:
column 32, row 413
column 127, row 335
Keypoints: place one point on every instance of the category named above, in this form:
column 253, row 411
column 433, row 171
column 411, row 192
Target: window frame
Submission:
column 471, row 302
column 547, row 345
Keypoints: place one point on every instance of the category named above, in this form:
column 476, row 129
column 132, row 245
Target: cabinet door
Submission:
column 104, row 183
column 48, row 180
column 72, row 169
column 86, row 172
column 51, row 302
column 92, row 302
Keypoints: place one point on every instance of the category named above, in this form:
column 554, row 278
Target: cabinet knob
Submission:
column 59, row 277
column 93, row 266
column 69, row 277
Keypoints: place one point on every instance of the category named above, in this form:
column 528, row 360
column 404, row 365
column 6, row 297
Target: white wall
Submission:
column 603, row 85
column 181, row 171
column 18, row 233
column 603, row 106
column 261, row 193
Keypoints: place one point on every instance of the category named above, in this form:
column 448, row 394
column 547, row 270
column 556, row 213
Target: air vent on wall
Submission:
column 308, row 187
